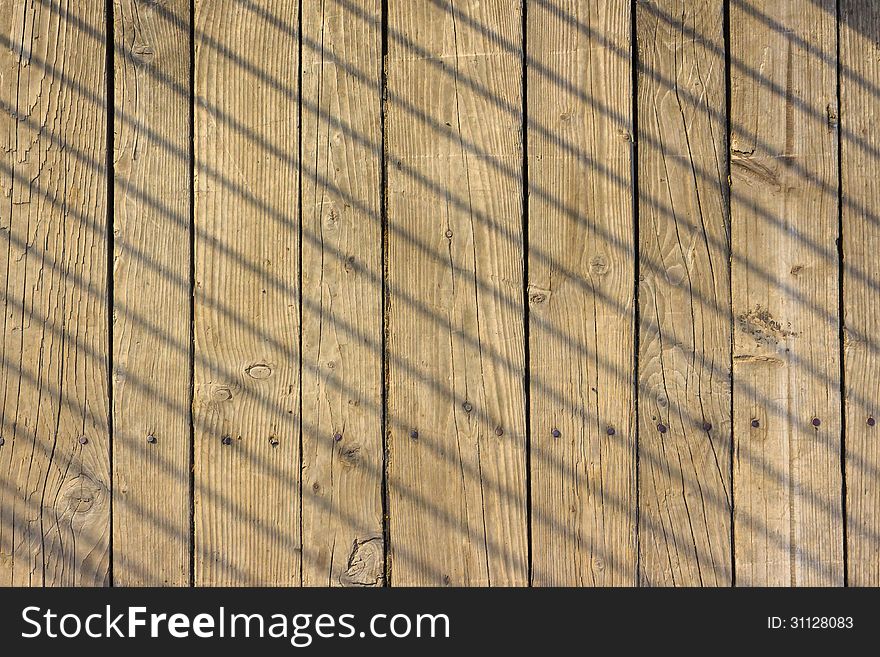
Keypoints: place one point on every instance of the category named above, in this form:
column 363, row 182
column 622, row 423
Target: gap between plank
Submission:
column 634, row 120
column 110, row 81
column 727, row 203
column 299, row 214
column 840, row 306
column 383, row 220
column 192, row 294
column 527, row 365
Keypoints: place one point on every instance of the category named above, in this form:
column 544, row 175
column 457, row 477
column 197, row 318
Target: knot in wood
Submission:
column 259, row 371
column 80, row 495
column 366, row 563
column 538, row 296
column 221, row 394
column 350, row 454
column 598, row 265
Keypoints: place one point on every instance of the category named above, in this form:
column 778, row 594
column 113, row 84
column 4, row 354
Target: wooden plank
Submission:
column 684, row 296
column 860, row 154
column 342, row 294
column 55, row 520
column 456, row 425
column 787, row 473
column 151, row 290
column 246, row 320
column 581, row 251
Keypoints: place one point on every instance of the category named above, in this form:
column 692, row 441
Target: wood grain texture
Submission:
column 860, row 154
column 684, row 296
column 54, row 391
column 456, row 421
column 787, row 472
column 151, row 288
column 246, row 325
column 342, row 293
column 581, row 251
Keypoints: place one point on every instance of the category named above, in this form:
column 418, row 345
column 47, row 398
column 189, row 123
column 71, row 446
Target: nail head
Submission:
column 151, row 439
column 448, row 234
column 661, row 428
column 2, row 442
column 83, row 440
column 226, row 440
column 414, row 434
column 556, row 433
column 499, row 431
column 467, row 407
column 816, row 422
column 610, row 431
column 756, row 423
column 707, row 426
column 337, row 437
column 871, row 422
column 273, row 441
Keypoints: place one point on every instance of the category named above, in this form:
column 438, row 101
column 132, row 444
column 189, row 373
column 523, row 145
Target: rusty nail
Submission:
column 871, row 422
column 226, row 440
column 707, row 426
column 467, row 407
column 556, row 433
column 661, row 428
column 755, row 423
column 610, row 431
column 414, row 434
column 337, row 437
column 499, row 431
column 151, row 439
column 816, row 422
column 83, row 440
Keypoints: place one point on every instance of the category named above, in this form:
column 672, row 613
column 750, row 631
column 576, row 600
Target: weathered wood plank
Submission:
column 246, row 320
column 581, row 251
column 342, row 293
column 54, row 391
column 151, row 275
column 860, row 155
column 684, row 296
column 787, row 472
column 456, row 417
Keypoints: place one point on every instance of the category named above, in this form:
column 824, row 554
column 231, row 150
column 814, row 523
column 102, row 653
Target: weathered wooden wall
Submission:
column 447, row 292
